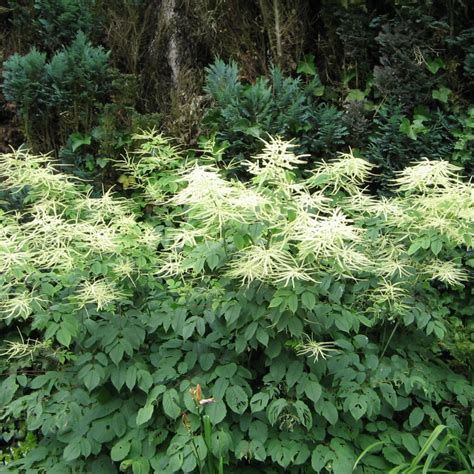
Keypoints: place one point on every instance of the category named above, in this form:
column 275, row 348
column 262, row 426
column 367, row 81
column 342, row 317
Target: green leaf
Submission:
column 262, row 336
column 435, row 65
column 144, row 414
column 275, row 408
column 307, row 66
column 407, row 129
column 258, row 450
column 416, row 417
column 63, row 336
column 304, row 414
column 329, row 411
column 414, row 247
column 131, row 377
column 356, row 95
column 308, row 300
column 320, row 457
column 120, row 450
column 72, row 451
column 216, row 411
column 171, row 404
column 140, row 466
column 236, row 399
column 258, row 430
column 436, row 246
column 442, row 94
column 116, row 354
column 292, row 302
column 313, row 391
column 357, row 405
column 393, row 455
column 92, row 379
column 78, row 140
column 206, row 361
column 259, row 401
column 389, row 394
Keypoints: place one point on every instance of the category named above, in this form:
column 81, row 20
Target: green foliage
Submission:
column 435, row 455
column 58, row 21
column 52, row 24
column 298, row 322
column 289, row 107
column 58, row 97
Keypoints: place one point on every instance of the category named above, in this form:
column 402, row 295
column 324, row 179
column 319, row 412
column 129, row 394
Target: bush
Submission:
column 279, row 105
column 286, row 322
column 58, row 97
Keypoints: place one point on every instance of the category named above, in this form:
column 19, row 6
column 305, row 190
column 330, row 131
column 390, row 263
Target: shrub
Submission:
column 58, row 97
column 278, row 105
column 59, row 21
column 285, row 322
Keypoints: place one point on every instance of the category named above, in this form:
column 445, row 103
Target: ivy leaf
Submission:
column 435, row 65
column 407, row 128
column 307, row 66
column 442, row 94
column 78, row 140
